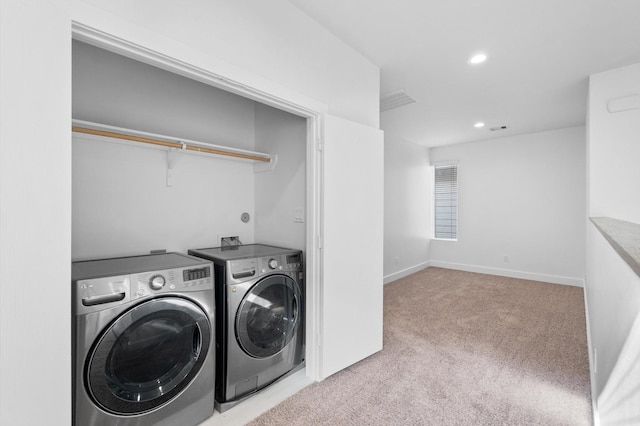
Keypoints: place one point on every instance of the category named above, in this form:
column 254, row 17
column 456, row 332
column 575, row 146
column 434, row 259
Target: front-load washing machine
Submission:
column 260, row 317
column 143, row 333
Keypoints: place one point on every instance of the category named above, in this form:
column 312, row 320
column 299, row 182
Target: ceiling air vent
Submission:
column 394, row 100
column 498, row 128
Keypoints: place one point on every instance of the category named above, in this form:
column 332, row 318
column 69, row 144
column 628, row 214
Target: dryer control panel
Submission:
column 246, row 269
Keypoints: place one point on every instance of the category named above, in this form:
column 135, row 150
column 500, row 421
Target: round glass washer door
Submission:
column 148, row 355
column 267, row 318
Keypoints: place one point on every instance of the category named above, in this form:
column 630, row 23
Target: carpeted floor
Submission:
column 461, row 349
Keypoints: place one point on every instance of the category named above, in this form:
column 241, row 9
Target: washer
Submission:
column 260, row 322
column 143, row 334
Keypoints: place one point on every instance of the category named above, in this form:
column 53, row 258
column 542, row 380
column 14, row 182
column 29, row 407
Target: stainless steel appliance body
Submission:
column 260, row 318
column 143, row 336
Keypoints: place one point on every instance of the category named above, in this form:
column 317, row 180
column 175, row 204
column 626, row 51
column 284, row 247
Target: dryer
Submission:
column 143, row 333
column 260, row 317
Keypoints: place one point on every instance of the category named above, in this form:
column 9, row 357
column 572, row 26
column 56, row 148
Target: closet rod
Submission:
column 177, row 145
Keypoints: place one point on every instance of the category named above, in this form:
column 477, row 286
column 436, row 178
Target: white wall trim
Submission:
column 242, row 83
column 553, row 279
column 406, row 272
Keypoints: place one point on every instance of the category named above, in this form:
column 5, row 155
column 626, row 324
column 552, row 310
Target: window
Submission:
column 445, row 202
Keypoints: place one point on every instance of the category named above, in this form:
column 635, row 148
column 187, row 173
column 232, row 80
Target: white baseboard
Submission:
column 405, row 272
column 554, row 279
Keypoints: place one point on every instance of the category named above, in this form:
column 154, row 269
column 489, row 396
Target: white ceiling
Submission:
column 540, row 54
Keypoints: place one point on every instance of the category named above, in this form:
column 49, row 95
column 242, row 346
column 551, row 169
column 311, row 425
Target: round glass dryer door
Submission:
column 148, row 355
column 267, row 318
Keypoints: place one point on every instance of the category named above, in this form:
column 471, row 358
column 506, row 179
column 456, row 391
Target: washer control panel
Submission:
column 183, row 279
column 241, row 270
column 157, row 282
column 96, row 294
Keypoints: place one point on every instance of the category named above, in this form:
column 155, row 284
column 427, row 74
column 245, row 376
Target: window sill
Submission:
column 624, row 237
column 444, row 239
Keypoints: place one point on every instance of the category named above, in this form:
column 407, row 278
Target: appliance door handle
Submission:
column 105, row 298
column 294, row 308
column 244, row 274
column 197, row 342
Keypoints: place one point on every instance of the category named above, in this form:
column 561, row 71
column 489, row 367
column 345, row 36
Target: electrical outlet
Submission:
column 395, row 261
column 298, row 215
column 506, row 259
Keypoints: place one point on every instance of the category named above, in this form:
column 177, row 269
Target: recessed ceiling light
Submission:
column 478, row 125
column 477, row 59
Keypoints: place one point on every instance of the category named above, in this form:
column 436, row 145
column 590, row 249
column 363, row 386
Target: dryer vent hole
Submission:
column 230, row 241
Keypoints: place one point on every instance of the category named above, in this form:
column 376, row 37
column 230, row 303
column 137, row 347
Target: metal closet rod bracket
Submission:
column 172, row 158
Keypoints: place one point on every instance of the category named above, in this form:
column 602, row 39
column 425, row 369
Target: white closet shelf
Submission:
column 97, row 129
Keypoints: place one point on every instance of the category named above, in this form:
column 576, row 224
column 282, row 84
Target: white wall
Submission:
column 121, row 202
column 111, row 89
column 522, row 197
column 614, row 148
column 35, row 213
column 280, row 192
column 613, row 297
column 407, row 208
column 122, row 205
column 612, row 289
column 271, row 39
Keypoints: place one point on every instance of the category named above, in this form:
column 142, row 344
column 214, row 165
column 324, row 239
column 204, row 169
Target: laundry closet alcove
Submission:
column 129, row 199
column 121, row 203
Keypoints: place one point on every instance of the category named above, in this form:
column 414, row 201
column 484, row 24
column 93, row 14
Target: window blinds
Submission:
column 445, row 202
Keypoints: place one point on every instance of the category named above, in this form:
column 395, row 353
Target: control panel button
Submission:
column 157, row 282
column 273, row 263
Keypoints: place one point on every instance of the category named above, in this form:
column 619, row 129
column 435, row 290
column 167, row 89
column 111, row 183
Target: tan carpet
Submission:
column 461, row 349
